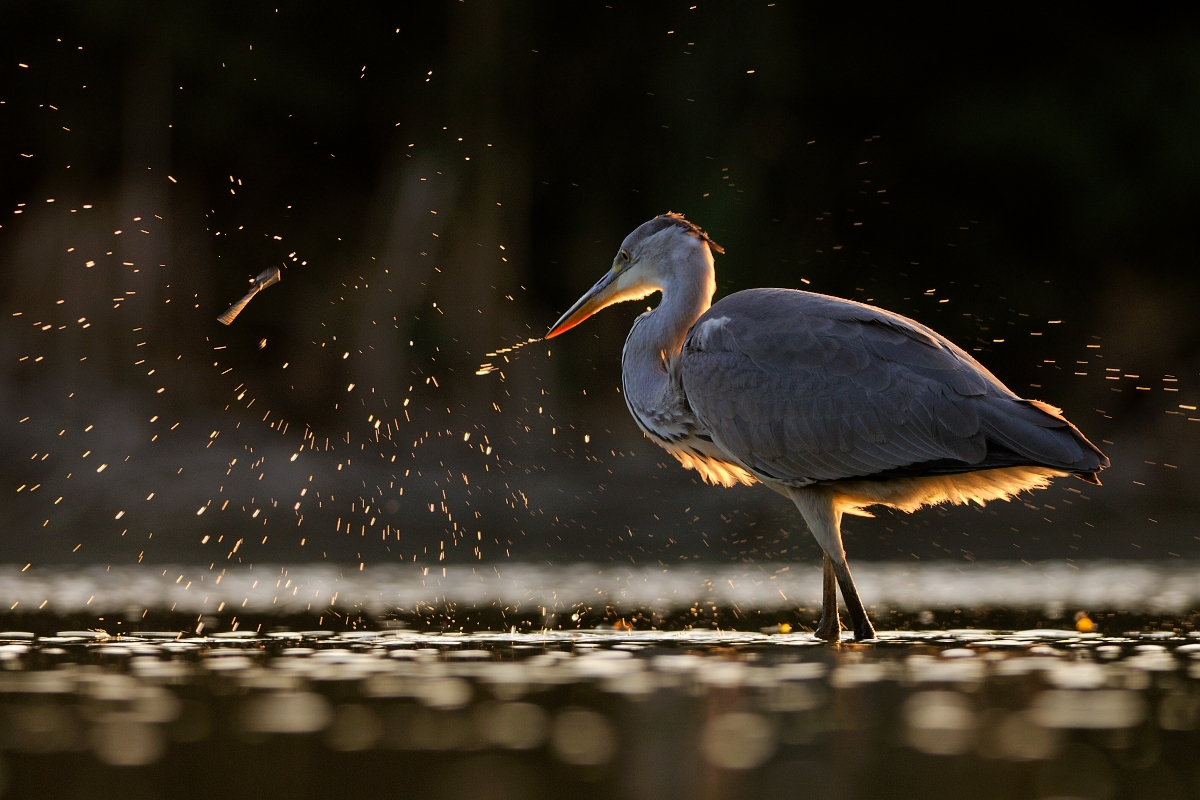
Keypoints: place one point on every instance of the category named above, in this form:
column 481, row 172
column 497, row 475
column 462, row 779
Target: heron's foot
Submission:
column 830, row 628
column 863, row 630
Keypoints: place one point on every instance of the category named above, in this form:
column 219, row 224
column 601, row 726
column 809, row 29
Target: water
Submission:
column 597, row 680
column 1119, row 595
column 599, row 713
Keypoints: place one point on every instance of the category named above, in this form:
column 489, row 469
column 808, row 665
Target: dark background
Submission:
column 441, row 180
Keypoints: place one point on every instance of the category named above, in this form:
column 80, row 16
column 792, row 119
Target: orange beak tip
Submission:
column 562, row 326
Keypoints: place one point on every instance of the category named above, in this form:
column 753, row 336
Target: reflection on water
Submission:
column 206, row 598
column 602, row 713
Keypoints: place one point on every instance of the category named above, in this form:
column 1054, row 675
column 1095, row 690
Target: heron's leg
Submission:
column 816, row 505
column 830, row 627
column 863, row 629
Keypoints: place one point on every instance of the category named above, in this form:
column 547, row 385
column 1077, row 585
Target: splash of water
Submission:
column 488, row 367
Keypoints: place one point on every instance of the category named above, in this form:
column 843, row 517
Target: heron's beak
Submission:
column 597, row 298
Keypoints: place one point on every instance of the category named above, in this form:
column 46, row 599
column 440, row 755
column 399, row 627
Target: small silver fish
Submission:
column 264, row 280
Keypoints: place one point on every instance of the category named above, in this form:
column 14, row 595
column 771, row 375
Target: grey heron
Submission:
column 834, row 404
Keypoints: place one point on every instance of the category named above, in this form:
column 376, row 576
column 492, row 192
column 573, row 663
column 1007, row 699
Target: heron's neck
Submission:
column 667, row 325
column 658, row 337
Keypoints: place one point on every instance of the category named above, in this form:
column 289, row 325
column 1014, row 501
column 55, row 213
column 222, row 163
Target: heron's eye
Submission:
column 625, row 255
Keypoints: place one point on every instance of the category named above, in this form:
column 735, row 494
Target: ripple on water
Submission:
column 738, row 702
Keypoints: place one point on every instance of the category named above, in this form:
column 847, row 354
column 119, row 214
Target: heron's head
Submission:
column 667, row 251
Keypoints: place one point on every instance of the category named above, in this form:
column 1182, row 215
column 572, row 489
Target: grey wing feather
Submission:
column 265, row 278
column 804, row 387
column 231, row 313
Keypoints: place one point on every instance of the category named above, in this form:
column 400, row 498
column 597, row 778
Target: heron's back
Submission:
column 800, row 388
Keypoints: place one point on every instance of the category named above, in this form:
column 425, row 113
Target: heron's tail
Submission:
column 1040, row 435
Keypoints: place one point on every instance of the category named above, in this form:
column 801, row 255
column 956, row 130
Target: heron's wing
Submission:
column 803, row 387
